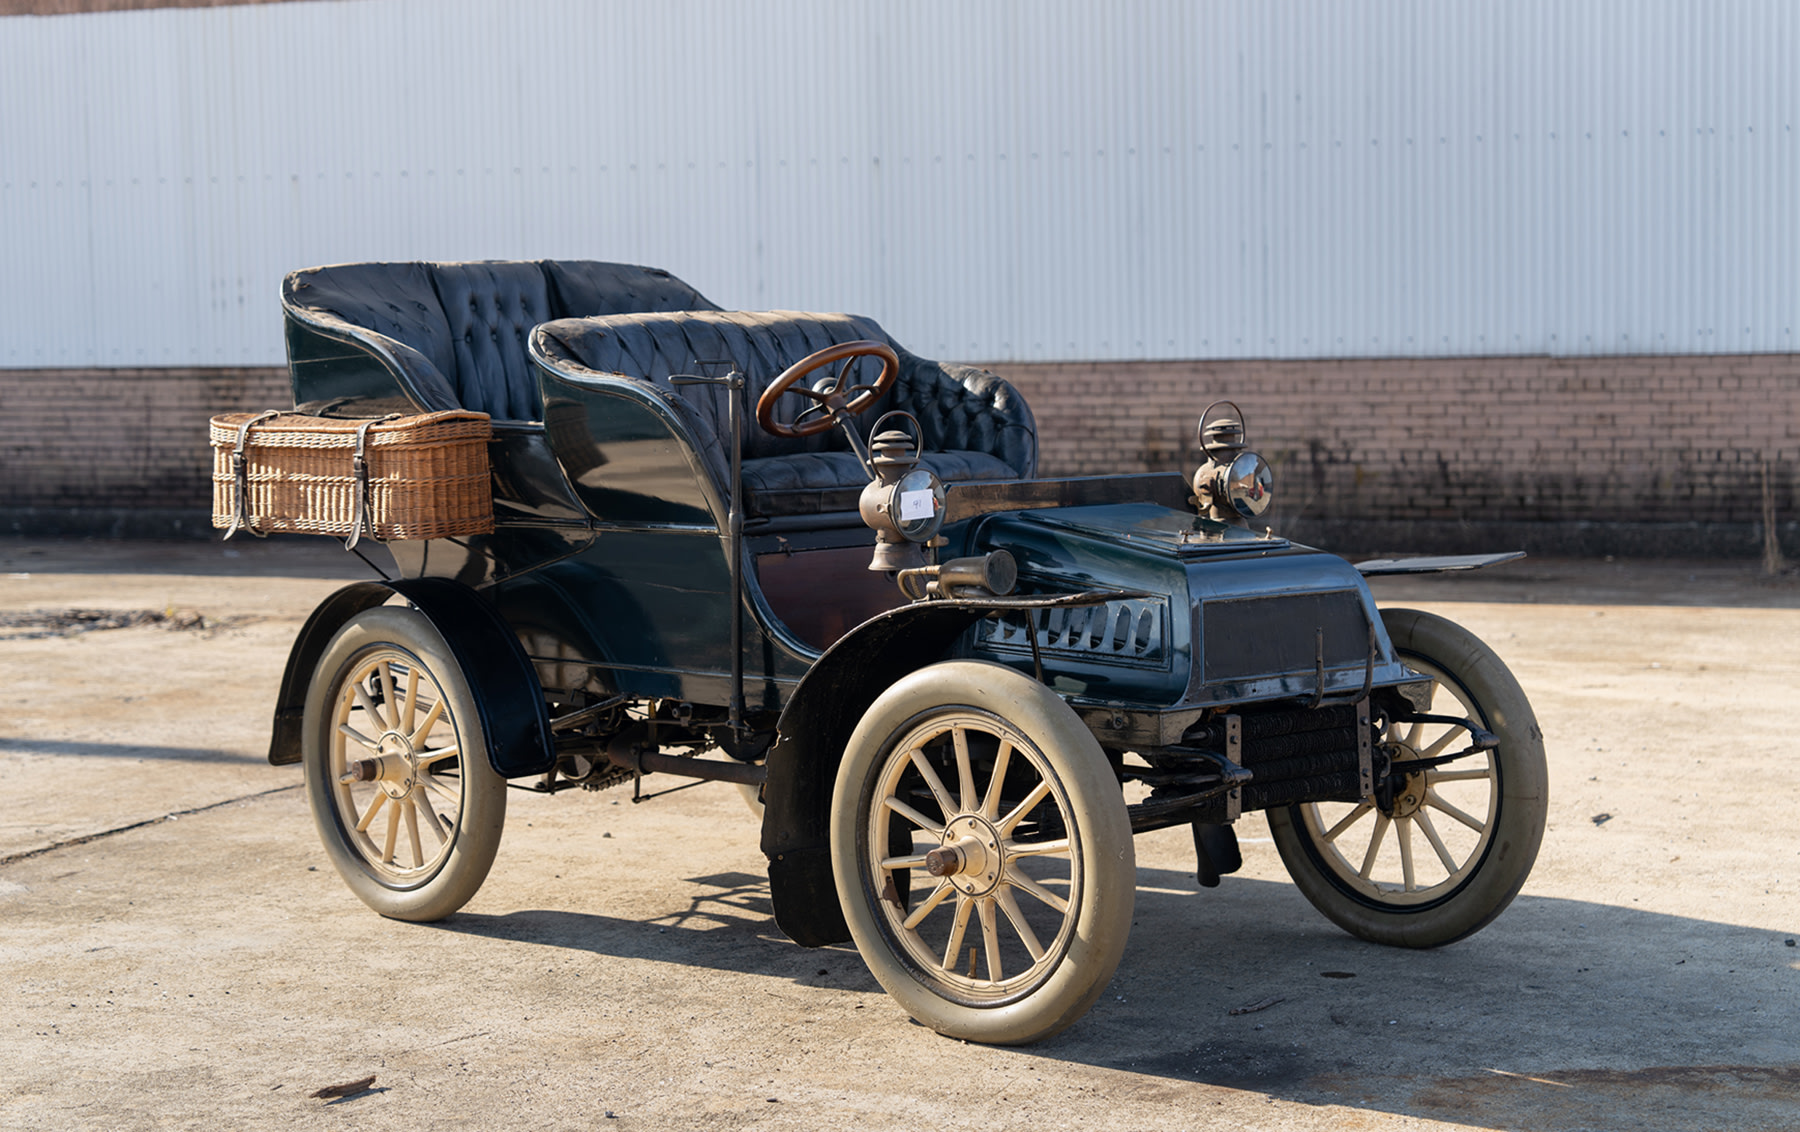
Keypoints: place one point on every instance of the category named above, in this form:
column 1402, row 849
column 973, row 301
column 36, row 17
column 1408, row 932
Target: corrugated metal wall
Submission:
column 1033, row 180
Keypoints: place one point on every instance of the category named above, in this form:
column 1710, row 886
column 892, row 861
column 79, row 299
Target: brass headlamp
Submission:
column 1234, row 485
column 904, row 503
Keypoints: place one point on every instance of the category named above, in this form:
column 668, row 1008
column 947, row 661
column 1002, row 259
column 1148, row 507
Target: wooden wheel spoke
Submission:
column 1348, row 820
column 368, row 704
column 393, row 834
column 990, row 939
column 432, row 821
column 410, row 810
column 930, row 775
column 1381, row 827
column 438, row 755
column 1437, row 843
column 1403, row 833
column 386, row 671
column 959, row 740
column 1010, row 905
column 1011, row 821
column 1057, row 848
column 437, row 785
column 362, row 824
column 958, row 928
column 1479, row 774
column 942, row 892
column 1433, row 800
column 359, row 738
column 1442, row 741
column 412, row 700
column 1023, row 883
column 417, row 735
column 990, row 805
column 912, row 815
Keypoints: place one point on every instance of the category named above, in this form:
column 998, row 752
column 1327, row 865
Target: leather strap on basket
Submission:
column 359, row 464
column 240, row 477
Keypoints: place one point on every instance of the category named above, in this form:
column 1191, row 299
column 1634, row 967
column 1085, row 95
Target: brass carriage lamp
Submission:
column 1234, row 485
column 904, row 503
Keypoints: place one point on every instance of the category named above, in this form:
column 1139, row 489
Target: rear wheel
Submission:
column 1457, row 842
column 982, row 853
column 397, row 773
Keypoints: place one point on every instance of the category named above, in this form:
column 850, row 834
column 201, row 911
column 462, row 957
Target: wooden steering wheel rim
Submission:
column 834, row 402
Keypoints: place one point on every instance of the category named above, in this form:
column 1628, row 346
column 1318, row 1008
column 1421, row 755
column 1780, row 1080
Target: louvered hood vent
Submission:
column 1131, row 631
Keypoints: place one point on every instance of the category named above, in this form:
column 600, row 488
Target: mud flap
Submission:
column 805, row 897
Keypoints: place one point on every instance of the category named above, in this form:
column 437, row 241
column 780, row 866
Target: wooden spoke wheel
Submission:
column 1457, row 842
column 396, row 768
column 983, row 854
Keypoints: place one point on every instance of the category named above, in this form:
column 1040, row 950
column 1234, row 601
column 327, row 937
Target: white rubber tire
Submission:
column 422, row 855
column 1340, row 875
column 982, row 710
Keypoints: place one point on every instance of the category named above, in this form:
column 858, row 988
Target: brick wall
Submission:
column 117, row 451
column 1600, row 455
column 69, row 7
column 1616, row 454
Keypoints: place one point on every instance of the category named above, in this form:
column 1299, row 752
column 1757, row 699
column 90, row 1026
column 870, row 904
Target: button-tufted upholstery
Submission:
column 459, row 330
column 976, row 427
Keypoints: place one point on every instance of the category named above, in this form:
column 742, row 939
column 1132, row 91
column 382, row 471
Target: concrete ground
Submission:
column 175, row 951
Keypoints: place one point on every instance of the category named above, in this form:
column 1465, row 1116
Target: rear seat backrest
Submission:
column 470, row 321
column 489, row 308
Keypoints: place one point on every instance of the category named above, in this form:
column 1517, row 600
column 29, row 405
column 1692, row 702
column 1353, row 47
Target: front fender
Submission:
column 809, row 744
column 507, row 695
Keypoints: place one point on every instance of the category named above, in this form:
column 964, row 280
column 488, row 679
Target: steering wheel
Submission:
column 834, row 400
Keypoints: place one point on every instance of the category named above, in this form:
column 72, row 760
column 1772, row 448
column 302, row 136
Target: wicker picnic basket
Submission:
column 401, row 477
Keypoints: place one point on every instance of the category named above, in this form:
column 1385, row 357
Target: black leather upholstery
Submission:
column 458, row 330
column 975, row 425
column 490, row 308
column 587, row 287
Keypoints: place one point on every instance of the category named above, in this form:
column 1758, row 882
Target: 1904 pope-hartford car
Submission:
column 955, row 690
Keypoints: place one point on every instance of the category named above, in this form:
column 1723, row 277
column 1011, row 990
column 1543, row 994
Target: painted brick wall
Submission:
column 1636, row 440
column 69, row 7
column 119, row 439
column 1522, row 441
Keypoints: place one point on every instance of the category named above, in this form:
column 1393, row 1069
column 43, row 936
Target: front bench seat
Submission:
column 454, row 334
column 975, row 425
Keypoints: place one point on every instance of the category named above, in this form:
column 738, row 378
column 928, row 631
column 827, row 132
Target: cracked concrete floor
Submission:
column 204, row 968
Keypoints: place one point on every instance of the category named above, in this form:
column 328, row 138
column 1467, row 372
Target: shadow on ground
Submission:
column 1563, row 1015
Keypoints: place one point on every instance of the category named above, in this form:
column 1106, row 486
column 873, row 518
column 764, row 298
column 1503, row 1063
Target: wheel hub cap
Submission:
column 399, row 765
column 970, row 856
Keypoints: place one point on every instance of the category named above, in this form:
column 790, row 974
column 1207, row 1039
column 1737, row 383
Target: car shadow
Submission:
column 1564, row 1014
column 64, row 748
column 276, row 556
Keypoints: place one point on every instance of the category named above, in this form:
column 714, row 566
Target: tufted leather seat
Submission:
column 458, row 330
column 975, row 425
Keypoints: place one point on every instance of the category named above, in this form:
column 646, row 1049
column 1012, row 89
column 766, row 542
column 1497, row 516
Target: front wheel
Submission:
column 397, row 772
column 982, row 786
column 1457, row 840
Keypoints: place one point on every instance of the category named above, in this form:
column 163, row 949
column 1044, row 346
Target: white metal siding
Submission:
column 1026, row 180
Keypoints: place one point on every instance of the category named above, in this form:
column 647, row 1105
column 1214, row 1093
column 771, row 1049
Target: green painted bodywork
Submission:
column 610, row 559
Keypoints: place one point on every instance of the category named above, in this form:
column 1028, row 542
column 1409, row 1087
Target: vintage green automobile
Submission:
column 955, row 691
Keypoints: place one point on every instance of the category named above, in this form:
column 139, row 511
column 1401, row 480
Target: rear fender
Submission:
column 810, row 739
column 507, row 695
